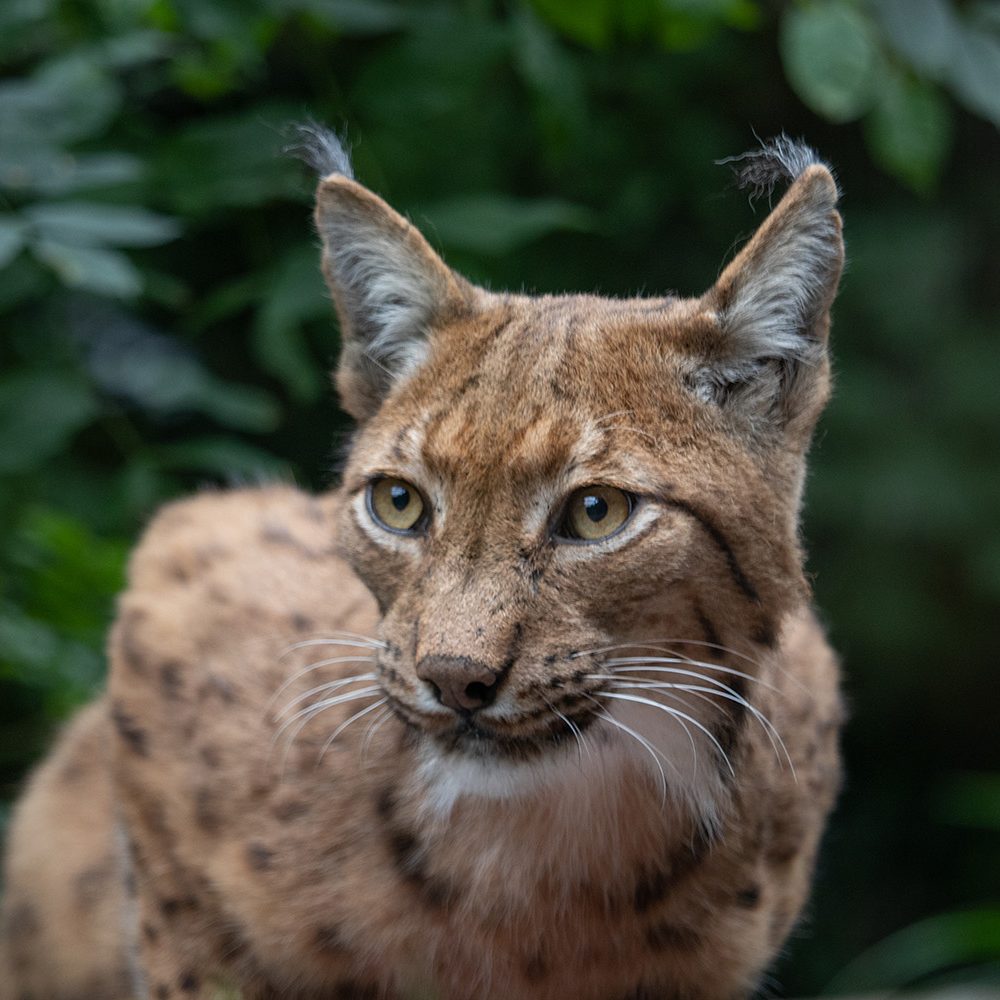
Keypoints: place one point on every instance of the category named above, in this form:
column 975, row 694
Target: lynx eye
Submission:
column 395, row 504
column 595, row 512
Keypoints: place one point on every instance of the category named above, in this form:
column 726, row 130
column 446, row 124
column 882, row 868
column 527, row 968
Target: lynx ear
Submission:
column 388, row 285
column 772, row 303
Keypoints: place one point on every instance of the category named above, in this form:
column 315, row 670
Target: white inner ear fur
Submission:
column 385, row 294
column 778, row 297
column 777, row 300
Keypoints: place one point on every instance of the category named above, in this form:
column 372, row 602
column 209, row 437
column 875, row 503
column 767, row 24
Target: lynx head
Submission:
column 578, row 515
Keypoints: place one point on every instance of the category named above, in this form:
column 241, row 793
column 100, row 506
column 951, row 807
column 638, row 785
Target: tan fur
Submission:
column 413, row 858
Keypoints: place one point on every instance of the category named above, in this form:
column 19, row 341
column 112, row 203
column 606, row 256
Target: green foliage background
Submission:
column 163, row 325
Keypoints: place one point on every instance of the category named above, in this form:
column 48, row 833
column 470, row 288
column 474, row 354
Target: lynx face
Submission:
column 578, row 515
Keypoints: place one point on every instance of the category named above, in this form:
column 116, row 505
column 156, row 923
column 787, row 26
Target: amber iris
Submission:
column 395, row 504
column 595, row 512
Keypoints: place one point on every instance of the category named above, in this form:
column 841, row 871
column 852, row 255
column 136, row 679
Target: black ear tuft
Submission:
column 779, row 159
column 320, row 148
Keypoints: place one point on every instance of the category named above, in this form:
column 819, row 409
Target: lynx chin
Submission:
column 532, row 706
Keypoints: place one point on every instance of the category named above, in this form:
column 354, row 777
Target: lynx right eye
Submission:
column 396, row 505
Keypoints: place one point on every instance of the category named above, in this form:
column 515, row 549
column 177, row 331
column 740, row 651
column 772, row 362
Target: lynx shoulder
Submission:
column 533, row 705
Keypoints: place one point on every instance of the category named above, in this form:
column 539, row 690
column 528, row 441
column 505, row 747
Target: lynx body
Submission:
column 532, row 706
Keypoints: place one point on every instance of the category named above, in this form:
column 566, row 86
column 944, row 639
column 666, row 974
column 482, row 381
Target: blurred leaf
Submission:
column 494, row 224
column 33, row 653
column 136, row 47
column 11, row 238
column 39, row 413
column 22, row 280
column 241, row 407
column 831, row 57
column 973, row 800
column 94, row 224
column 587, row 21
column 922, row 31
column 54, row 173
column 131, row 361
column 68, row 574
column 233, row 461
column 932, row 945
column 65, row 100
column 294, row 295
column 551, row 73
column 15, row 13
column 239, row 162
column 909, row 130
column 105, row 272
column 974, row 71
column 363, row 17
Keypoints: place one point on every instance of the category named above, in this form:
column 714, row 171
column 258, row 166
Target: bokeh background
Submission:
column 163, row 326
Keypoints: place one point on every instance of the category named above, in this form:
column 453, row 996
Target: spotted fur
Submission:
column 274, row 797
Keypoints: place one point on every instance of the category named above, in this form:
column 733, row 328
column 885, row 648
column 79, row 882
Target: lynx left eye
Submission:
column 396, row 504
column 595, row 512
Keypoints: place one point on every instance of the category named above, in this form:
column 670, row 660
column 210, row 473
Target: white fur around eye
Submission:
column 645, row 513
column 392, row 540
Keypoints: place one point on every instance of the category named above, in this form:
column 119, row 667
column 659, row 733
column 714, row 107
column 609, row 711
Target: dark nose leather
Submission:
column 462, row 684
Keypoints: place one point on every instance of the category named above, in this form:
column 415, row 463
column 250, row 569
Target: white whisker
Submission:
column 309, row 669
column 639, row 662
column 344, row 725
column 643, row 742
column 359, row 642
column 373, row 727
column 328, row 686
column 770, row 730
column 674, row 712
column 571, row 726
column 321, row 706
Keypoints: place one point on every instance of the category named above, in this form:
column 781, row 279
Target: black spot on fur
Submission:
column 133, row 735
column 328, row 939
column 535, row 968
column 188, row 982
column 172, row 906
column 206, row 812
column 73, row 772
column 217, row 687
column 664, row 936
column 385, row 803
column 171, row 681
column 650, row 888
column 301, row 623
column 764, row 635
column 408, row 858
column 289, row 809
column 748, row 897
column 131, row 649
column 92, row 884
column 351, row 990
column 233, row 942
column 259, row 857
column 150, row 933
column 22, row 921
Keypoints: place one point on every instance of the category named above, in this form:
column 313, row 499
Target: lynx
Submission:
column 533, row 705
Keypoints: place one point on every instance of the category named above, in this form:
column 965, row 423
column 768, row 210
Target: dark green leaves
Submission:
column 40, row 412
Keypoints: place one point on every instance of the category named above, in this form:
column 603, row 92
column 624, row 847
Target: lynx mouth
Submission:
column 481, row 737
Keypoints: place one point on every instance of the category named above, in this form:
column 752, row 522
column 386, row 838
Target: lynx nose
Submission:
column 462, row 684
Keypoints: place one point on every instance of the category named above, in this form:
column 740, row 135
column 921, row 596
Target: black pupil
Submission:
column 595, row 508
column 400, row 497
